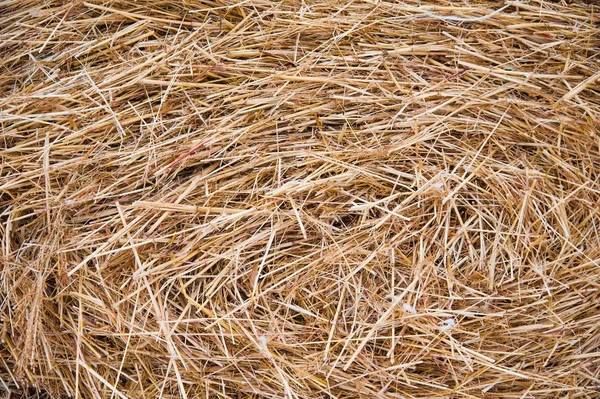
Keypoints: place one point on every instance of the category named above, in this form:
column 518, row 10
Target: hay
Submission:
column 298, row 199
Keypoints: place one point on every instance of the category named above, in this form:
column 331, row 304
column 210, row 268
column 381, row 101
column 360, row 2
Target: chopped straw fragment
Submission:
column 299, row 199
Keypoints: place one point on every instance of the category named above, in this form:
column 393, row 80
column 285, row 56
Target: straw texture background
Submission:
column 299, row 199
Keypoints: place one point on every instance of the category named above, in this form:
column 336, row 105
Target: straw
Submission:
column 298, row 199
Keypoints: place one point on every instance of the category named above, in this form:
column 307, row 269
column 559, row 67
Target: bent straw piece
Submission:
column 581, row 87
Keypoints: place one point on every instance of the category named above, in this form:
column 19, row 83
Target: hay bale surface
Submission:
column 290, row 199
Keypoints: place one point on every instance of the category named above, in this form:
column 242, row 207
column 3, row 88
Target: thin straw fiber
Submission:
column 299, row 199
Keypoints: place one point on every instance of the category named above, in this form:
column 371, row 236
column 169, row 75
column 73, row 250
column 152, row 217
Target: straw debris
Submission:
column 292, row 199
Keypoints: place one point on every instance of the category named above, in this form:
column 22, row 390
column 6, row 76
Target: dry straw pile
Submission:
column 298, row 199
